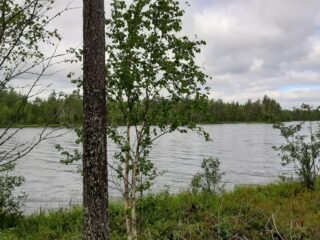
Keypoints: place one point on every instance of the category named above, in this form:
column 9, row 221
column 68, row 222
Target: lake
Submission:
column 245, row 152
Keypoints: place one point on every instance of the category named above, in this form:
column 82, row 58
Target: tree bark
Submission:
column 95, row 172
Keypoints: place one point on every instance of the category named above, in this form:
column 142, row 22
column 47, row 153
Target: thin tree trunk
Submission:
column 127, row 198
column 134, row 188
column 95, row 173
column 134, row 199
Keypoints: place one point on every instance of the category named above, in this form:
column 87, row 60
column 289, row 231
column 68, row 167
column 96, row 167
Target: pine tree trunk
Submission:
column 95, row 173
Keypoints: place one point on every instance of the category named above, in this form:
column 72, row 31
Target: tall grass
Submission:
column 275, row 211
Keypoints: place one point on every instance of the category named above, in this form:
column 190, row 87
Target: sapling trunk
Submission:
column 127, row 202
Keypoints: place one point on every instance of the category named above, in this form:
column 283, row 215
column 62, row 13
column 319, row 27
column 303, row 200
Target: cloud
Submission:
column 256, row 66
column 254, row 47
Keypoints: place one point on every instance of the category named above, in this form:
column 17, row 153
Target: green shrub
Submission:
column 210, row 179
column 10, row 204
column 301, row 150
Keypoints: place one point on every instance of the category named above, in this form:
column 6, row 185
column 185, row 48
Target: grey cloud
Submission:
column 254, row 47
column 282, row 35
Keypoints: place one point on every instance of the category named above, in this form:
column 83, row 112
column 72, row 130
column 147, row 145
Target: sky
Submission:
column 254, row 47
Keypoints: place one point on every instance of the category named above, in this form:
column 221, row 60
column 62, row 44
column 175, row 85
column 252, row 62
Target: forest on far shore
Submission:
column 16, row 109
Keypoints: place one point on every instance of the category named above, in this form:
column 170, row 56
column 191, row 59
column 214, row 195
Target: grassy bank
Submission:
column 276, row 211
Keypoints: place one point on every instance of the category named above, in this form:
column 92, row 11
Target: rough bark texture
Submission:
column 95, row 174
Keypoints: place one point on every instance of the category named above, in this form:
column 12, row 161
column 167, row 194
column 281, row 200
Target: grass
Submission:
column 275, row 211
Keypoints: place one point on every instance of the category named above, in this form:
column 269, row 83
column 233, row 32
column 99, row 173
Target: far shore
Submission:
column 123, row 125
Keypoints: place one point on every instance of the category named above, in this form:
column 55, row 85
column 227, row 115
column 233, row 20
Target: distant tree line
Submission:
column 54, row 110
column 59, row 110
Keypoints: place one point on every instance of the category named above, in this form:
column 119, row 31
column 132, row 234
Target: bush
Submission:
column 301, row 150
column 10, row 204
column 210, row 179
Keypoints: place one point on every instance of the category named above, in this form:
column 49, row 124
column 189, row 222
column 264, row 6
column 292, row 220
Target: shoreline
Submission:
column 122, row 125
column 245, row 212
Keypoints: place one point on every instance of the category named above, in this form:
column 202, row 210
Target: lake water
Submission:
column 245, row 152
